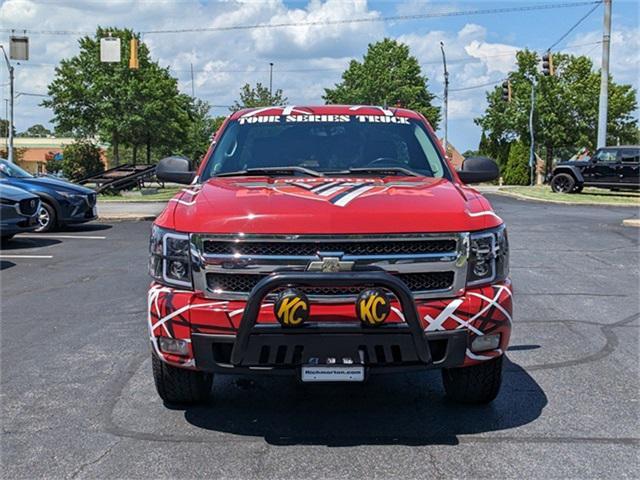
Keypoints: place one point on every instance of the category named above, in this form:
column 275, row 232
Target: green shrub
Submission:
column 516, row 171
column 81, row 159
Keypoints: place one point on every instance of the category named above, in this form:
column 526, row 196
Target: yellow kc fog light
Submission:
column 291, row 308
column 373, row 306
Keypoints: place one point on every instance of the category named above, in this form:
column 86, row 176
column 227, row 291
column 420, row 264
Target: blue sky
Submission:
column 480, row 48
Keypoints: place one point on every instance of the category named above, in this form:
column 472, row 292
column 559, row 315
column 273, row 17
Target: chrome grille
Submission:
column 310, row 249
column 243, row 283
column 28, row 206
column 227, row 267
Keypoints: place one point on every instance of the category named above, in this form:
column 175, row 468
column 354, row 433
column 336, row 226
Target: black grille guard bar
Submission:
column 320, row 279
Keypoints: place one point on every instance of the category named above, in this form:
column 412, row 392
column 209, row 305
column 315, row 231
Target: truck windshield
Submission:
column 354, row 144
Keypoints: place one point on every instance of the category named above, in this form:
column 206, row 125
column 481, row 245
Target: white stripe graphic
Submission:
column 331, row 191
column 353, row 195
column 436, row 323
column 484, row 213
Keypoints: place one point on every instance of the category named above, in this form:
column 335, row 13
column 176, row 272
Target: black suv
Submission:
column 616, row 168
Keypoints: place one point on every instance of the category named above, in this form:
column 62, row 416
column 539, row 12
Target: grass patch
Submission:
column 162, row 195
column 587, row 196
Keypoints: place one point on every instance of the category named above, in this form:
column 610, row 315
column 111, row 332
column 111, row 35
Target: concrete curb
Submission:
column 631, row 222
column 560, row 202
column 124, row 217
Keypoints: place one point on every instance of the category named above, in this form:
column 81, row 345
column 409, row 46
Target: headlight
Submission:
column 169, row 257
column 488, row 256
column 71, row 196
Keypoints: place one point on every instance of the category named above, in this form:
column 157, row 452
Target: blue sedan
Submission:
column 62, row 203
column 18, row 211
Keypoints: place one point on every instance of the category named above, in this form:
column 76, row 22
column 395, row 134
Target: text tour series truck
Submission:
column 330, row 243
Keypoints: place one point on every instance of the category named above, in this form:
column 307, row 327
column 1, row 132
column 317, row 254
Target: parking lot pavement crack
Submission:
column 611, row 343
column 85, row 465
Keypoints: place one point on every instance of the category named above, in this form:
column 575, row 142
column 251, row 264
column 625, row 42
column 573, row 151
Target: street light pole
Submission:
column 604, row 77
column 446, row 97
column 532, row 154
column 10, row 136
column 270, row 78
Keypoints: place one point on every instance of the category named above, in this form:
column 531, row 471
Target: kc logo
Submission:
column 291, row 308
column 373, row 307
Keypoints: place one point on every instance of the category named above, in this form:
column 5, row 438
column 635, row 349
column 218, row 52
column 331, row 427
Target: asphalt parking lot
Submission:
column 78, row 399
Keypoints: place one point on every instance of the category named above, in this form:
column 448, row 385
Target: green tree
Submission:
column 4, row 128
column 566, row 108
column 79, row 160
column 388, row 75
column 37, row 130
column 122, row 106
column 516, row 171
column 258, row 96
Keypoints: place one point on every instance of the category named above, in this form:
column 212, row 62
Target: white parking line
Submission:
column 25, row 256
column 88, row 237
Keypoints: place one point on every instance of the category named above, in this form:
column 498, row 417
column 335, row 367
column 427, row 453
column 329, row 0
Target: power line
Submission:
column 476, row 86
column 395, row 18
column 582, row 19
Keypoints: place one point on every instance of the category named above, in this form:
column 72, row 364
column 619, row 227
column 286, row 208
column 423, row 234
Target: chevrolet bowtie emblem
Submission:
column 330, row 265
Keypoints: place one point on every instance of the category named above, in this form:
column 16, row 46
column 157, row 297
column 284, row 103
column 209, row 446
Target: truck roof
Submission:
column 326, row 110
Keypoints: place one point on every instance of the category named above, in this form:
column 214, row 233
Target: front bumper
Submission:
column 234, row 337
column 12, row 222
column 79, row 210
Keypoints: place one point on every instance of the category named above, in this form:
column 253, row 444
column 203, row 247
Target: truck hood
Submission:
column 266, row 205
column 573, row 163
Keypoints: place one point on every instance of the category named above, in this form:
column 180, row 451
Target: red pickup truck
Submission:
column 331, row 243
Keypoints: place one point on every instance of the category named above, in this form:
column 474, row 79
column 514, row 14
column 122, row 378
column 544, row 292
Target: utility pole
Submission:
column 446, row 97
column 10, row 135
column 270, row 78
column 604, row 77
column 193, row 86
column 532, row 153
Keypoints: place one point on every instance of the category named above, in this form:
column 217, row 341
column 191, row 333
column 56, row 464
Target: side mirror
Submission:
column 176, row 170
column 478, row 170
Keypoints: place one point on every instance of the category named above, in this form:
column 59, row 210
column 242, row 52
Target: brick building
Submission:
column 36, row 151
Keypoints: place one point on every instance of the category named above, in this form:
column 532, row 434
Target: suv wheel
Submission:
column 577, row 188
column 179, row 385
column 476, row 384
column 46, row 218
column 563, row 183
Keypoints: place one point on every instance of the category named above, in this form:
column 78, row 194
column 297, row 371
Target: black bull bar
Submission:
column 367, row 278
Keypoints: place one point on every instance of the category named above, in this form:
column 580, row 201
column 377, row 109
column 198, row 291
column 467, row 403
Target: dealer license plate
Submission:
column 332, row 373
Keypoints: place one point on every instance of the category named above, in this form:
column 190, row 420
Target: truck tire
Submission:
column 179, row 385
column 563, row 183
column 476, row 384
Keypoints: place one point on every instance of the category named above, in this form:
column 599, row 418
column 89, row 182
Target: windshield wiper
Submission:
column 385, row 170
column 271, row 171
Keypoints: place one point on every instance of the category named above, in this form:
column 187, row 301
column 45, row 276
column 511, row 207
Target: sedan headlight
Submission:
column 73, row 197
column 488, row 256
column 169, row 257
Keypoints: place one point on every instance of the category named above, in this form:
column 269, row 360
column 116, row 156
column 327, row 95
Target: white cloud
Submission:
column 624, row 55
column 496, row 57
column 307, row 59
column 320, row 40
